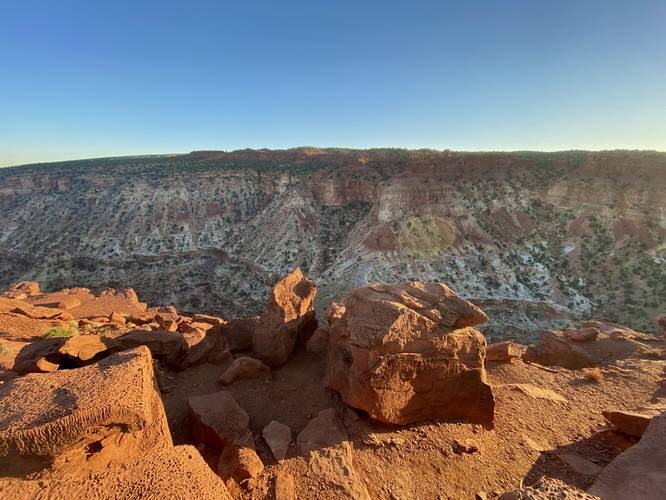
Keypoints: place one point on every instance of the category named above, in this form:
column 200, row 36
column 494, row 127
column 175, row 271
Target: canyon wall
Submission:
column 538, row 239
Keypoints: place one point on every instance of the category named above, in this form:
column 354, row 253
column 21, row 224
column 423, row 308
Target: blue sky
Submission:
column 83, row 78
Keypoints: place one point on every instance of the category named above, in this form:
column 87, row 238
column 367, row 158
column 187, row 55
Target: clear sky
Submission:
column 86, row 78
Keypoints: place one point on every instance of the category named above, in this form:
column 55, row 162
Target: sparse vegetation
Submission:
column 4, row 349
column 61, row 331
column 593, row 375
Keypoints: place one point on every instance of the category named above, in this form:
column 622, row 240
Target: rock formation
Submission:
column 288, row 317
column 562, row 230
column 637, row 472
column 245, row 368
column 91, row 418
column 590, row 346
column 324, row 442
column 409, row 352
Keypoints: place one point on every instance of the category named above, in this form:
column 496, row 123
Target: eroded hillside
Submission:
column 536, row 239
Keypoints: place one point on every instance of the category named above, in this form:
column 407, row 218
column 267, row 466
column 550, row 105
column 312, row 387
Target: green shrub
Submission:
column 61, row 331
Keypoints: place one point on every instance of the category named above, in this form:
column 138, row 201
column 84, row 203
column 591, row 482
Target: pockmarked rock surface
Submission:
column 409, row 352
column 325, row 443
column 90, row 418
column 637, row 472
column 173, row 472
column 288, row 317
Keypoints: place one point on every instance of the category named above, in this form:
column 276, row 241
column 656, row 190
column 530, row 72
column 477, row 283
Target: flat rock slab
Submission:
column 278, row 436
column 639, row 471
column 630, row 423
column 535, row 392
column 84, row 419
column 217, row 420
column 178, row 472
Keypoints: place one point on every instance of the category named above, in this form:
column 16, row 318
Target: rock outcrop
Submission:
column 244, row 368
column 409, row 352
column 216, row 420
column 48, row 355
column 178, row 472
column 168, row 347
column 278, row 437
column 548, row 488
column 91, row 418
column 628, row 422
column 592, row 345
column 288, row 317
column 639, row 471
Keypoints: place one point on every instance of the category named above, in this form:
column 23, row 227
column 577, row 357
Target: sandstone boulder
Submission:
column 245, row 368
column 48, row 355
column 278, row 437
column 582, row 334
column 288, row 317
column 238, row 333
column 91, row 418
column 629, row 423
column 239, row 466
column 22, row 289
column 285, row 486
column 588, row 347
column 334, row 312
column 408, row 352
column 318, row 343
column 505, row 351
column 547, row 488
column 210, row 346
column 194, row 327
column 211, row 320
column 168, row 347
column 216, row 420
column 179, row 473
column 117, row 318
column 325, row 444
column 637, row 472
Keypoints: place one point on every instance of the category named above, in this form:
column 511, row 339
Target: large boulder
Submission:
column 409, row 352
column 168, row 347
column 628, row 422
column 594, row 344
column 49, row 355
column 238, row 333
column 637, row 472
column 216, row 420
column 91, row 418
column 288, row 316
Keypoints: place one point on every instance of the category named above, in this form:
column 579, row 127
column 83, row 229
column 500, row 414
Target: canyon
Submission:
column 538, row 240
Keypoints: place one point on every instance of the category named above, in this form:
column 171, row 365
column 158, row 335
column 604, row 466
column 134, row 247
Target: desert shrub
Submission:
column 61, row 331
column 594, row 375
column 4, row 350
